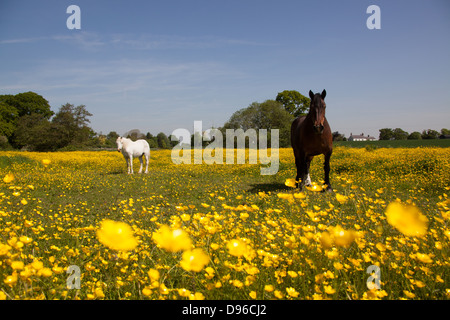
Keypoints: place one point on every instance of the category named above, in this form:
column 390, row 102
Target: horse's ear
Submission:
column 311, row 94
column 324, row 93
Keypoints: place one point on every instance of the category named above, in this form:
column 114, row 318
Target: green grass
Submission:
column 66, row 201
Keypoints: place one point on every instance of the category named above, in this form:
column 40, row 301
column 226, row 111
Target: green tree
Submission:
column 399, row 134
column 73, row 123
column 13, row 107
column 112, row 135
column 152, row 140
column 28, row 103
column 386, row 134
column 110, row 141
column 267, row 115
column 163, row 141
column 415, row 136
column 338, row 136
column 430, row 134
column 8, row 119
column 294, row 102
column 36, row 133
column 445, row 131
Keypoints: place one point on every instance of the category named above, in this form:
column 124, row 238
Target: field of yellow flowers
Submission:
column 224, row 231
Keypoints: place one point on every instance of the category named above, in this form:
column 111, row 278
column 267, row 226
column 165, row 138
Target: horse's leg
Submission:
column 297, row 177
column 326, row 167
column 140, row 160
column 127, row 160
column 130, row 171
column 147, row 156
column 298, row 166
column 308, row 178
column 301, row 170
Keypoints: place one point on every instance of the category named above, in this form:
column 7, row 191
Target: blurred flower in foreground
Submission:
column 8, row 178
column 341, row 198
column 407, row 219
column 194, row 260
column 172, row 240
column 46, row 162
column 239, row 248
column 290, row 183
column 116, row 235
column 314, row 187
column 337, row 236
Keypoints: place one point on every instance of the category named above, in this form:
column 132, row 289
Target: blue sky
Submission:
column 160, row 65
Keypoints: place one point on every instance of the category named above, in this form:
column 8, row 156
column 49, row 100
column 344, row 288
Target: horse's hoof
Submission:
column 328, row 189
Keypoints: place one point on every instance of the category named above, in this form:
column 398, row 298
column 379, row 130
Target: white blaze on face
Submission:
column 119, row 144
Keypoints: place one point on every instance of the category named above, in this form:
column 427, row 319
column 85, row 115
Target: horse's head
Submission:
column 317, row 110
column 119, row 144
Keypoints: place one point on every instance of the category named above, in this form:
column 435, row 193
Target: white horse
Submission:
column 130, row 149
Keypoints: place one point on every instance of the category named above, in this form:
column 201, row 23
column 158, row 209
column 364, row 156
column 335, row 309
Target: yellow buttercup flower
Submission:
column 172, row 240
column 25, row 239
column 153, row 274
column 341, row 198
column 315, row 187
column 8, row 178
column 194, row 260
column 17, row 265
column 342, row 237
column 292, row 292
column 329, row 290
column 407, row 219
column 290, row 183
column 237, row 247
column 268, row 288
column 116, row 235
column 423, row 257
column 325, row 240
column 46, row 162
column 337, row 236
column 45, row 272
column 11, row 279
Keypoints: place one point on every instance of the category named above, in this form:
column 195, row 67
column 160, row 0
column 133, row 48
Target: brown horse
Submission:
column 311, row 136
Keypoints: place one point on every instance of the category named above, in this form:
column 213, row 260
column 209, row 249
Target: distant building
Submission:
column 444, row 136
column 361, row 137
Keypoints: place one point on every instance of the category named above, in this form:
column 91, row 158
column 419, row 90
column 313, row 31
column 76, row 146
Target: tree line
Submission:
column 400, row 134
column 27, row 122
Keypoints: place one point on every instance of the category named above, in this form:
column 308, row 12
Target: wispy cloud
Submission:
column 83, row 40
column 22, row 40
column 94, row 41
column 139, row 89
column 154, row 42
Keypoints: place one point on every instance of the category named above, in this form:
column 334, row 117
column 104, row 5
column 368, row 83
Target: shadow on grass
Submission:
column 268, row 187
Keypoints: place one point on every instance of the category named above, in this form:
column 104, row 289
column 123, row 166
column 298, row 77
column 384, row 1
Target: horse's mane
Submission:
column 126, row 141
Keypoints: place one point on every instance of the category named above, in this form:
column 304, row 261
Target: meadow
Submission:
column 225, row 231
